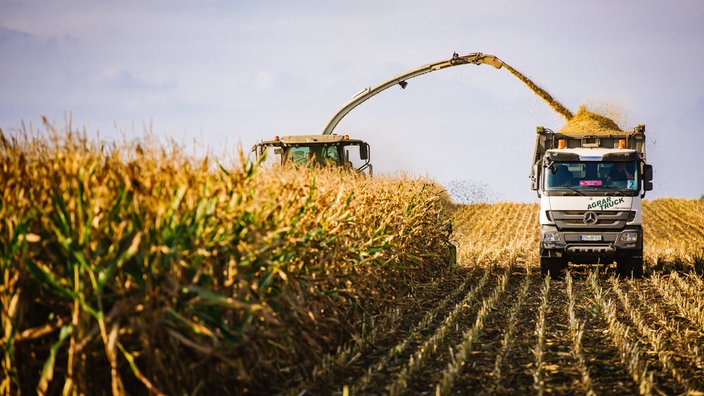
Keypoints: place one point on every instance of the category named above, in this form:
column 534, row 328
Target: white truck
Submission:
column 590, row 187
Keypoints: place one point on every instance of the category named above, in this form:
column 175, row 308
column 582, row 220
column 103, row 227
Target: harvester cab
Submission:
column 316, row 151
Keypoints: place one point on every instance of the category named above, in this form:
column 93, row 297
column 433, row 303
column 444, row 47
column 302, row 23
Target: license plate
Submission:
column 590, row 237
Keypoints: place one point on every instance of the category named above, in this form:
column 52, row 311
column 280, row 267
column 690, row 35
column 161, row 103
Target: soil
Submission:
column 502, row 359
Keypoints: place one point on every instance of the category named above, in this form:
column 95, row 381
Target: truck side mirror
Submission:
column 647, row 177
column 364, row 151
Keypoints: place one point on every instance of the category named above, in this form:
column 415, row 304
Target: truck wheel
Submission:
column 552, row 267
column 630, row 266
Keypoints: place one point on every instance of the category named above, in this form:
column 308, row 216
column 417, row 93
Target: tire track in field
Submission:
column 428, row 303
column 639, row 354
column 576, row 328
column 675, row 327
column 469, row 337
column 517, row 366
column 607, row 372
column 439, row 349
column 401, row 352
column 561, row 371
column 669, row 351
column 484, row 367
column 431, row 319
column 629, row 350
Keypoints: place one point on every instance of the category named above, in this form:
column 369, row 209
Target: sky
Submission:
column 217, row 74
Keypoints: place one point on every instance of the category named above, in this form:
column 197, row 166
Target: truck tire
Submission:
column 552, row 267
column 627, row 267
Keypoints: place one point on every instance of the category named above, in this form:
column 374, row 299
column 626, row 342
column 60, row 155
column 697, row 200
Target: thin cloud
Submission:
column 8, row 35
column 123, row 79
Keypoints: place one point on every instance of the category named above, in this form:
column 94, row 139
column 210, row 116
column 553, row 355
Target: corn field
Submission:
column 134, row 268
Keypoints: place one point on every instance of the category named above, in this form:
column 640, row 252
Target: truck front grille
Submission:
column 575, row 219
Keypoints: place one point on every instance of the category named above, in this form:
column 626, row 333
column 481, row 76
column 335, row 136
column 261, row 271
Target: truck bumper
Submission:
column 590, row 246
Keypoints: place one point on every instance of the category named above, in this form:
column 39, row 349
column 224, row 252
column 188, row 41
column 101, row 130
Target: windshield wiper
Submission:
column 573, row 192
column 617, row 192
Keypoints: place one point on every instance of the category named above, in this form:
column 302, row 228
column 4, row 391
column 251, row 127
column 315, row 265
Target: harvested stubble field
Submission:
column 133, row 269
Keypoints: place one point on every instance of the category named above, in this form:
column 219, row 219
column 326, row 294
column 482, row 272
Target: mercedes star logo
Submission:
column 590, row 218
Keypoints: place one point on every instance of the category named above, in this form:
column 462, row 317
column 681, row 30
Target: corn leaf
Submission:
column 48, row 369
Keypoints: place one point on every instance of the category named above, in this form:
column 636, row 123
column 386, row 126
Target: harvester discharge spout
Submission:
column 476, row 58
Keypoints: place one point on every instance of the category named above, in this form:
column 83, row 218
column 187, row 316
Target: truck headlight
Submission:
column 629, row 237
column 551, row 236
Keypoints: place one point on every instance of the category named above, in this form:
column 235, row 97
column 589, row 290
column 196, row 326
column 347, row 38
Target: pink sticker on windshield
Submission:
column 589, row 183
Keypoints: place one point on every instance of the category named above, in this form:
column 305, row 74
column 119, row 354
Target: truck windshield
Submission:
column 592, row 176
